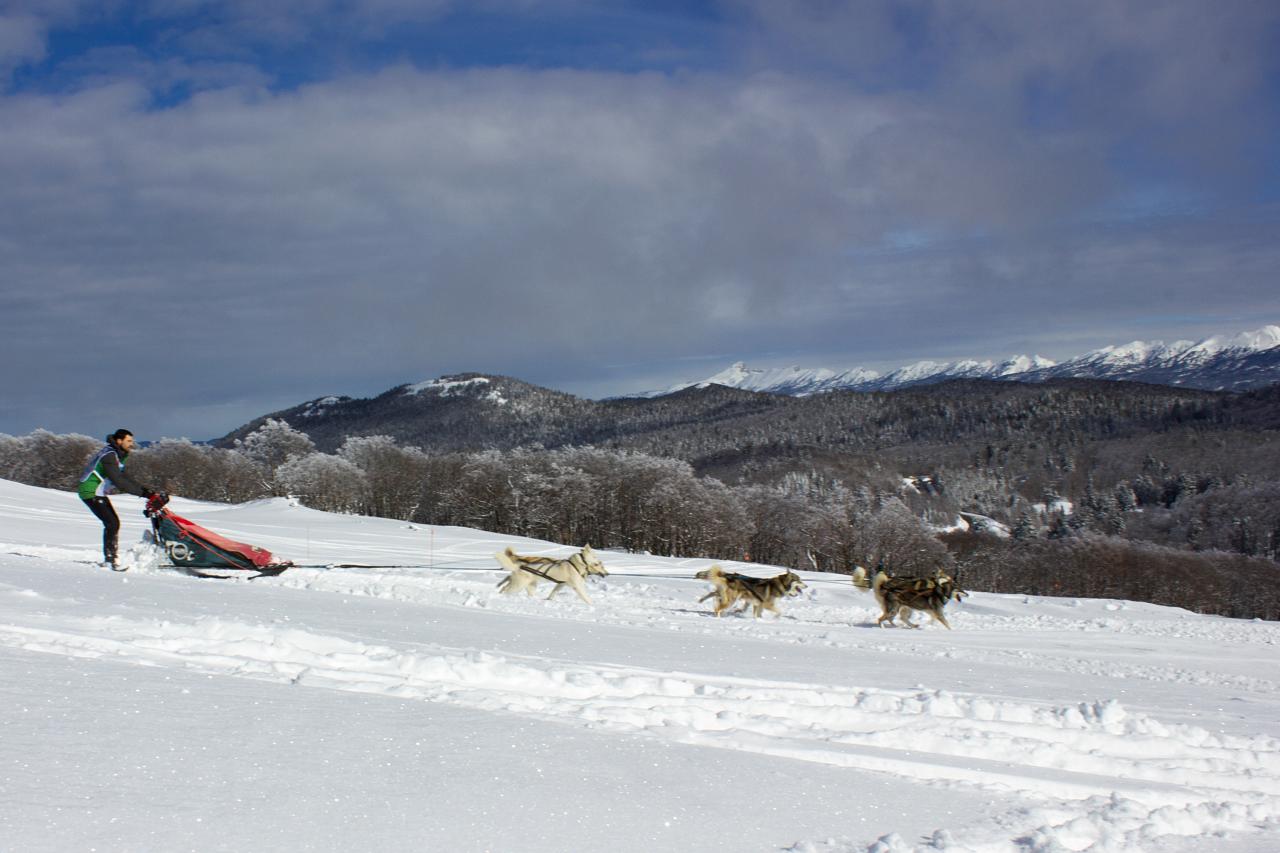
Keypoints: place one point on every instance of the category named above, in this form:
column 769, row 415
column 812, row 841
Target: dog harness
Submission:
column 574, row 560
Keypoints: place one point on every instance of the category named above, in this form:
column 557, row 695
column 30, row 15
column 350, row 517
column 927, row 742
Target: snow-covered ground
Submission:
column 417, row 709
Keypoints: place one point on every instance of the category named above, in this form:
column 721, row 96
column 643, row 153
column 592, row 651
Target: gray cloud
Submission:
column 192, row 266
column 22, row 40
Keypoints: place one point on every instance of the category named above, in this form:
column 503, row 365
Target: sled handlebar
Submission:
column 155, row 504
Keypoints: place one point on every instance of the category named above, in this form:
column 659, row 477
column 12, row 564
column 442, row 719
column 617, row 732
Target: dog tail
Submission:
column 859, row 578
column 712, row 574
column 507, row 559
column 879, row 581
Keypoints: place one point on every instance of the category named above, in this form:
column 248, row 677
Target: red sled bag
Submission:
column 191, row 546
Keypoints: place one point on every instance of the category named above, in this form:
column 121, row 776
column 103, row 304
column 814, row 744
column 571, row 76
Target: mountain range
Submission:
column 472, row 411
column 1220, row 363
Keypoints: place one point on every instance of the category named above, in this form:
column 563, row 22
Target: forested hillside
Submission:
column 1071, row 487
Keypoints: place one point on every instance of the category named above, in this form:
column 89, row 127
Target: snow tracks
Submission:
column 1136, row 776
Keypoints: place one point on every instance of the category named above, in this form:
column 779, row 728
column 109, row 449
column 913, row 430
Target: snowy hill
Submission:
column 417, row 709
column 453, row 413
column 1248, row 360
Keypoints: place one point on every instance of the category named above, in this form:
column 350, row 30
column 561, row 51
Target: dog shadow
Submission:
column 737, row 614
column 690, row 610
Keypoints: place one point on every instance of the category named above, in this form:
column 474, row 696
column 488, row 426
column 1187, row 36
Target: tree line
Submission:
column 1116, row 524
column 610, row 498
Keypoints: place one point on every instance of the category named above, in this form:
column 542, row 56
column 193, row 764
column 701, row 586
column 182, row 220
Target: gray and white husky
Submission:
column 898, row 597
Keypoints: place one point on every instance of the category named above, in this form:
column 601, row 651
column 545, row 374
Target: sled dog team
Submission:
column 897, row 596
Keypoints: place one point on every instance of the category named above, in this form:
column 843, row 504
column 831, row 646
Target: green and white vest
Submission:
column 94, row 482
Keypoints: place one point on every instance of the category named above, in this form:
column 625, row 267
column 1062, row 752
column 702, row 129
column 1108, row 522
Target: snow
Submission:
column 1023, row 364
column 802, row 381
column 452, row 387
column 1130, row 352
column 1061, row 505
column 1182, row 352
column 445, row 386
column 1113, row 361
column 917, row 371
column 416, row 708
column 798, row 381
column 316, row 408
column 1258, row 340
column 986, row 524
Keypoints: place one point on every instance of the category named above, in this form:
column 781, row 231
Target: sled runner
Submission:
column 191, row 547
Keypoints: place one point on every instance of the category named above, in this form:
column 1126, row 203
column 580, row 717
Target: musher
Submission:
column 104, row 475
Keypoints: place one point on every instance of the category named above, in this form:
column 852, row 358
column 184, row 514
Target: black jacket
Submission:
column 121, row 480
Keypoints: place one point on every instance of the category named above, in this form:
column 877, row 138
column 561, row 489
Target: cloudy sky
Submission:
column 213, row 210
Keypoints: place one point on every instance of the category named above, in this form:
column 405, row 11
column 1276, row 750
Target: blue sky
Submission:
column 209, row 211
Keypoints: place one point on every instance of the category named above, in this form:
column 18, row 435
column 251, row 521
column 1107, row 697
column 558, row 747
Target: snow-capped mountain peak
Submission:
column 1268, row 337
column 919, row 370
column 1222, row 362
column 741, row 376
column 1022, row 363
column 795, row 381
column 1127, row 353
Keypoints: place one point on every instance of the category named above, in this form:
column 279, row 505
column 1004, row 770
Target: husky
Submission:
column 526, row 571
column 759, row 593
column 899, row 596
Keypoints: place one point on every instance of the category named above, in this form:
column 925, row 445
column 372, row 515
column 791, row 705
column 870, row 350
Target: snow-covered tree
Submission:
column 273, row 444
column 43, row 458
column 395, row 475
column 324, row 482
column 199, row 471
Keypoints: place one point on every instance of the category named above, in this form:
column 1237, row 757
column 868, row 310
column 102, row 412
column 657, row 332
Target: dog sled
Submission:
column 195, row 549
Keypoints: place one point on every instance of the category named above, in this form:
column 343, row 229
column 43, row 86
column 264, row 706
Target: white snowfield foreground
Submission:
column 417, row 709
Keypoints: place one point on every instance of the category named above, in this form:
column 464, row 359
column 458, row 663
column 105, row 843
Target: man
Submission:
column 104, row 475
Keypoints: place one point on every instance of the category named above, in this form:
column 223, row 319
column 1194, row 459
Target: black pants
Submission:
column 106, row 513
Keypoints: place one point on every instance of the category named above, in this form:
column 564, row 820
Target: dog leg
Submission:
column 515, row 582
column 575, row 581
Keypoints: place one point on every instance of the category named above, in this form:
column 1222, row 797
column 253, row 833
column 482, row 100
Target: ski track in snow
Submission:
column 1094, row 739
column 803, row 621
column 1113, row 824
